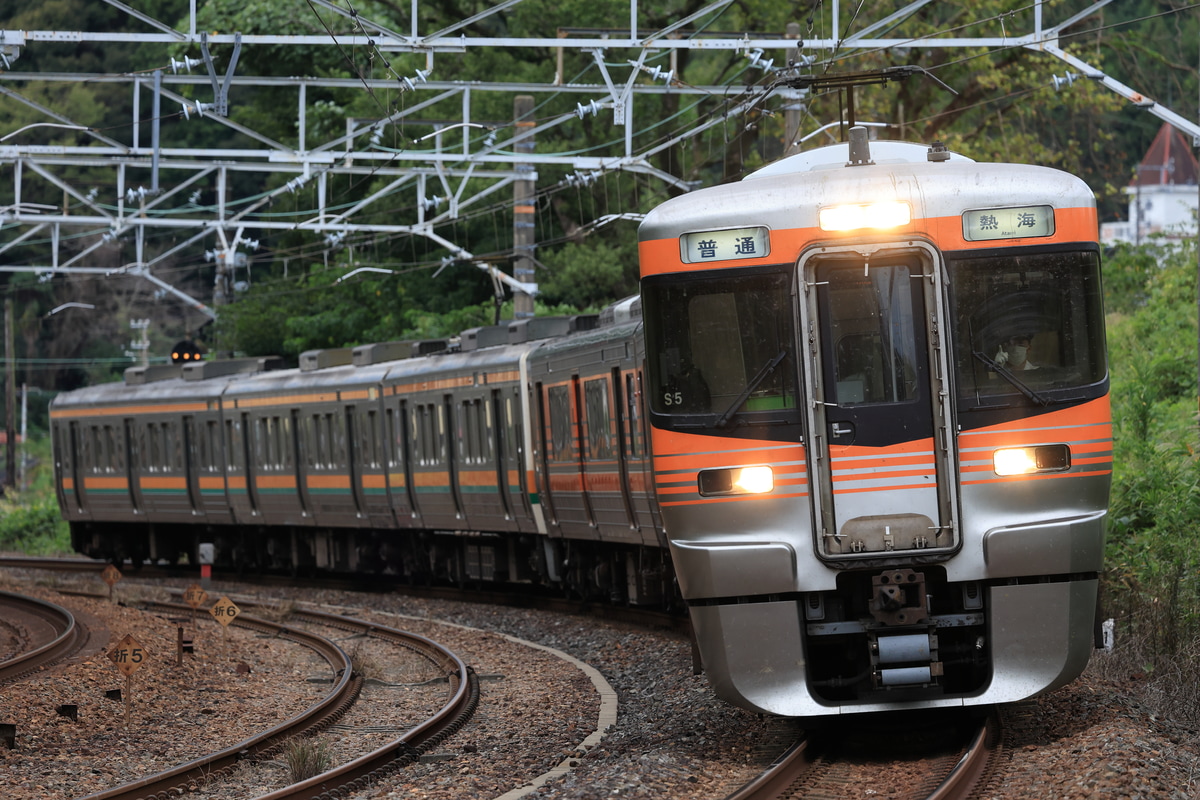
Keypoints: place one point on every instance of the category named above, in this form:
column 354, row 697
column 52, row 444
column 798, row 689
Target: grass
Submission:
column 306, row 758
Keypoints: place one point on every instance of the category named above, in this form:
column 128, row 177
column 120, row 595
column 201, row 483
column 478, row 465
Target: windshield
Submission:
column 721, row 344
column 1029, row 325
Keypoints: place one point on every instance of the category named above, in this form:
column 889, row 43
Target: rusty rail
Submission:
column 68, row 636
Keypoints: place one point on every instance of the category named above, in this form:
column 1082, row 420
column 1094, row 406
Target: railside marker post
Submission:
column 225, row 611
column 194, row 596
column 128, row 657
column 110, row 575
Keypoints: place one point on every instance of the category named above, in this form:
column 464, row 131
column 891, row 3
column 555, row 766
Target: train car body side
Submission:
column 433, row 468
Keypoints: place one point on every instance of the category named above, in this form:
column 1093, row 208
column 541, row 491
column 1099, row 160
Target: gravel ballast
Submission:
column 545, row 727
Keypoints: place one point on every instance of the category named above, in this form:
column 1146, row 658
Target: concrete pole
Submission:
column 523, row 207
column 793, row 111
column 10, row 399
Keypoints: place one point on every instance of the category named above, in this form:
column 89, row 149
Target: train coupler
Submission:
column 898, row 597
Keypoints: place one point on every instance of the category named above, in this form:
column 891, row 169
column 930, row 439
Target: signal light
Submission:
column 186, row 352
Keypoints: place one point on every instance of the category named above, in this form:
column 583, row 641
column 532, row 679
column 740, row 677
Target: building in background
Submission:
column 1163, row 196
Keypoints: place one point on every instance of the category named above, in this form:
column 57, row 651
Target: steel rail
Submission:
column 783, row 777
column 68, row 636
column 974, row 762
column 356, row 774
column 783, row 773
column 57, row 564
column 201, row 771
column 406, row 749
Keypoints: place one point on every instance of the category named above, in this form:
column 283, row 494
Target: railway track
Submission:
column 821, row 769
column 676, row 621
column 47, row 633
column 810, row 770
column 404, row 749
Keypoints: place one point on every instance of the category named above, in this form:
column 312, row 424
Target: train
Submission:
column 856, row 421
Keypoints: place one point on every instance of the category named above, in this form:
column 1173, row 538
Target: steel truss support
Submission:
column 467, row 160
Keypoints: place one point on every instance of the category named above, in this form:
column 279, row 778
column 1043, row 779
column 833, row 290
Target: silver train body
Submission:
column 807, row 427
column 519, row 456
column 878, row 393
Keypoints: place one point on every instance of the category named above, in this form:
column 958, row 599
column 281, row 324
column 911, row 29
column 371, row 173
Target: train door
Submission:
column 355, row 456
column 74, row 453
column 453, row 430
column 505, row 453
column 187, row 463
column 881, row 445
column 600, row 457
column 301, row 459
column 132, row 464
column 402, row 450
column 623, row 451
column 548, row 442
column 247, row 456
column 563, row 446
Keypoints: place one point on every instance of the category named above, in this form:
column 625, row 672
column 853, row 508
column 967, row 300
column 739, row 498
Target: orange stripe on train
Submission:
column 661, row 256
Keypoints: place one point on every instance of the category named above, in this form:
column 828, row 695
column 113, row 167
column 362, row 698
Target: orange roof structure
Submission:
column 1168, row 162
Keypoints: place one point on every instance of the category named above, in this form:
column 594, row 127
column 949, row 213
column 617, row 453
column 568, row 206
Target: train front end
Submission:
column 882, row 446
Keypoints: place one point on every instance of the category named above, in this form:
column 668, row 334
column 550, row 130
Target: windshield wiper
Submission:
column 1017, row 383
column 767, row 369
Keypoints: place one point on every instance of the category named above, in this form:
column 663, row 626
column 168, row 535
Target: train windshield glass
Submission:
column 721, row 345
column 1028, row 324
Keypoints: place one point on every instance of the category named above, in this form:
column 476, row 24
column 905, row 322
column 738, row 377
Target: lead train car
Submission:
column 878, row 397
column 521, row 462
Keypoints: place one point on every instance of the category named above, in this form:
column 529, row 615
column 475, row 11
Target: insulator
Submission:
column 1064, row 81
column 185, row 65
column 666, row 77
column 591, row 108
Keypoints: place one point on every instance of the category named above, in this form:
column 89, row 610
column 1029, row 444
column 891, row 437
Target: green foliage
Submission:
column 36, row 529
column 1004, row 105
column 1153, row 579
column 591, row 274
column 30, row 521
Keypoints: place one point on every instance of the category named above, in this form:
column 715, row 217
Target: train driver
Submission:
column 1014, row 353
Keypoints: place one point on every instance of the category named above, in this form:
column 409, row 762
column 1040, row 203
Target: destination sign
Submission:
column 986, row 224
column 724, row 245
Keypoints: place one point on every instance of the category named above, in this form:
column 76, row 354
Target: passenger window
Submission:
column 599, row 435
column 559, row 402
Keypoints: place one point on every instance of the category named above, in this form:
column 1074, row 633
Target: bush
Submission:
column 33, row 529
column 1152, row 580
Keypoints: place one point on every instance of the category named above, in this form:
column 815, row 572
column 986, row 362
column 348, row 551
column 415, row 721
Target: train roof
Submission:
column 837, row 155
column 323, row 371
column 789, row 194
column 120, row 393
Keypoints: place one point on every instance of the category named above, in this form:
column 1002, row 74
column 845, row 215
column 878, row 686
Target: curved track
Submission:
column 54, row 625
column 355, row 774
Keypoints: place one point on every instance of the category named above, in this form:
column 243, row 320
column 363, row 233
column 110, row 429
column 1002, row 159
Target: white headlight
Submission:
column 737, row 480
column 885, row 214
column 1016, row 461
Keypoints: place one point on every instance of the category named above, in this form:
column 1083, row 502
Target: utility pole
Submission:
column 523, row 207
column 10, row 399
column 794, row 110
